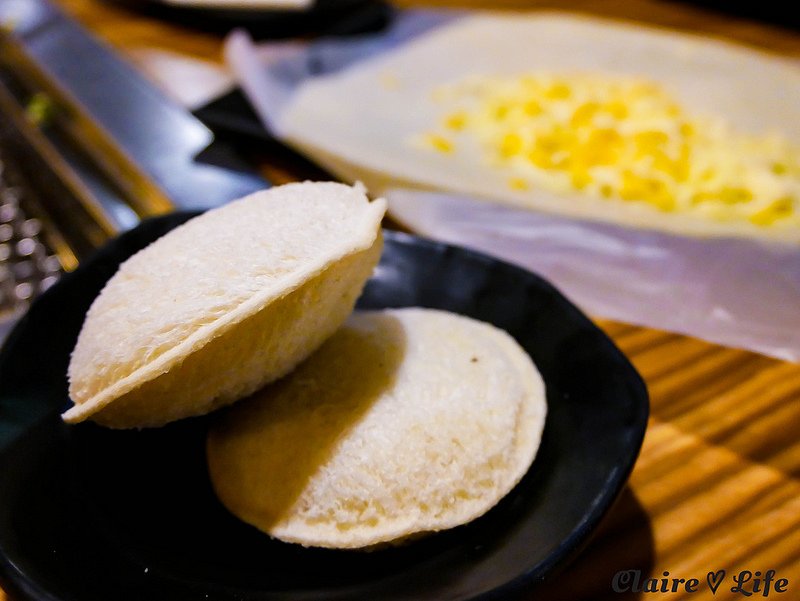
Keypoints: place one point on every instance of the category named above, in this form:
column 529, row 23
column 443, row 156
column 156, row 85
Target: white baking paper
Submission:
column 733, row 292
column 736, row 292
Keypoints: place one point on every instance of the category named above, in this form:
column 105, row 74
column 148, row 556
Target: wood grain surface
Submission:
column 717, row 484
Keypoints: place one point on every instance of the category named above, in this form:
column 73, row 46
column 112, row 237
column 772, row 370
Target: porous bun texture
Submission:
column 227, row 302
column 404, row 422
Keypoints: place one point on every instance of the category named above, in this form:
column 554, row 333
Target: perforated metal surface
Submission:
column 27, row 265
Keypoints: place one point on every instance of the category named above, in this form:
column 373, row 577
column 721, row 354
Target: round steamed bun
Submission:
column 223, row 304
column 405, row 421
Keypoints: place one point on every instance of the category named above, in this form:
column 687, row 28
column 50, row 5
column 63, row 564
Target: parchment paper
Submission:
column 737, row 292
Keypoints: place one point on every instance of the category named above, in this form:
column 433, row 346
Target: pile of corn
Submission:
column 620, row 138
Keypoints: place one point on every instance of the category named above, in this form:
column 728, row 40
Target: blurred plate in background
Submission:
column 271, row 18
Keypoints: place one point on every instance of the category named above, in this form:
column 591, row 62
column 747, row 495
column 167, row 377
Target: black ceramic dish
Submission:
column 93, row 514
column 323, row 17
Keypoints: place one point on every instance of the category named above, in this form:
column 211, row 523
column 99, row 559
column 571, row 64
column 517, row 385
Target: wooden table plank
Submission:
column 717, row 484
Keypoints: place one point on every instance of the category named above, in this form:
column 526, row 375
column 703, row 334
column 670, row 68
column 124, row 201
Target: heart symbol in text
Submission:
column 714, row 579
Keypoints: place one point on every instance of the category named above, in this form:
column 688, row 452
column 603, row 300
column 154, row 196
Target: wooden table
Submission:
column 717, row 484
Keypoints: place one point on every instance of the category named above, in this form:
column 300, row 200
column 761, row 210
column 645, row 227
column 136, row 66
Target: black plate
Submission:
column 93, row 514
column 323, row 17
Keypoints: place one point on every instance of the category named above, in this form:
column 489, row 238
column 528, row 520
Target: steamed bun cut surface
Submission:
column 223, row 304
column 405, row 421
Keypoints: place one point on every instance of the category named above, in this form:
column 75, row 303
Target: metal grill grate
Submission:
column 27, row 265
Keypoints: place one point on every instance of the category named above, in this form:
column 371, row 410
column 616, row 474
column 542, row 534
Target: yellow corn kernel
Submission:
column 584, row 114
column 631, row 186
column 650, row 140
column 607, row 136
column 540, row 158
column 703, row 196
column 511, row 144
column 778, row 209
column 551, row 144
column 532, row 108
column 727, row 195
column 517, row 183
column 662, row 200
column 591, row 155
column 650, row 190
column 683, row 165
column 580, row 178
column 440, row 143
column 500, row 111
column 558, row 91
column 662, row 162
column 707, row 175
column 616, row 109
column 730, row 195
column 602, row 147
column 456, row 121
